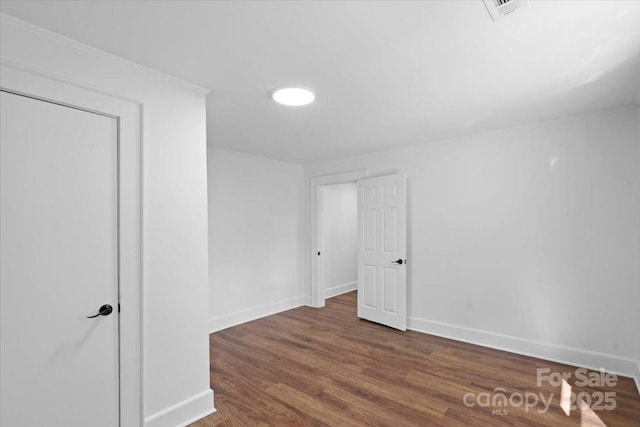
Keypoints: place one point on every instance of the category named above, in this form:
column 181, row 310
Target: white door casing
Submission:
column 317, row 182
column 67, row 194
column 382, row 250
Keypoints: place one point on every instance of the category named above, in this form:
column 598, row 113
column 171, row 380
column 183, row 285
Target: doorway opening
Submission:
column 339, row 232
column 333, row 263
column 381, row 245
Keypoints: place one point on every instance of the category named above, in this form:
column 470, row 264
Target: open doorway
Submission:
column 339, row 231
column 381, row 253
column 319, row 184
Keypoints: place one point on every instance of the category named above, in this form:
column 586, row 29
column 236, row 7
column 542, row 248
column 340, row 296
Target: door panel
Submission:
column 390, row 290
column 382, row 242
column 59, row 264
column 369, row 285
column 390, row 230
column 389, row 191
column 370, row 227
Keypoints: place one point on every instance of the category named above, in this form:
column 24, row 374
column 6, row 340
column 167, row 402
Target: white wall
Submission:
column 174, row 289
column 526, row 239
column 255, row 237
column 338, row 239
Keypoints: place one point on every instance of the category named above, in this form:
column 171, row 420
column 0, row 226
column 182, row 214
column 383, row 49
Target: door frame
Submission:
column 317, row 219
column 128, row 113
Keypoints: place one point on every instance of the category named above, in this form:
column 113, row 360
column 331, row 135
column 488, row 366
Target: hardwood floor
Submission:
column 319, row 367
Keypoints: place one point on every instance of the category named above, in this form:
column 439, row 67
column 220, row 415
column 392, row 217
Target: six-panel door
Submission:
column 382, row 250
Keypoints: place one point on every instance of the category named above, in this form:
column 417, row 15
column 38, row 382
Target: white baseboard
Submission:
column 637, row 376
column 566, row 355
column 183, row 413
column 223, row 322
column 340, row 289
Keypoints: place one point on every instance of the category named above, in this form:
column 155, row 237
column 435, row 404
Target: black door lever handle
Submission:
column 105, row 310
column 399, row 261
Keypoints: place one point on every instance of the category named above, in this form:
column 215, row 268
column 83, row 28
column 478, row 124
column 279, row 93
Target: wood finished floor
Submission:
column 326, row 367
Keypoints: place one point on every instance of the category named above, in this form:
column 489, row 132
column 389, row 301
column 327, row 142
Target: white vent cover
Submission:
column 500, row 8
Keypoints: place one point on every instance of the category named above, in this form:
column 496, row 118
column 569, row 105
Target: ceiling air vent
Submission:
column 500, row 8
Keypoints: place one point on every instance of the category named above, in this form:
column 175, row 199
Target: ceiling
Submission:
column 386, row 74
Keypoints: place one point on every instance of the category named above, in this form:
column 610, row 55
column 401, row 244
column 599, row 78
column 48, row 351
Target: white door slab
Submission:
column 59, row 264
column 382, row 249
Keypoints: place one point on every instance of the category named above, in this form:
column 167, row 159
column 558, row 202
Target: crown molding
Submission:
column 39, row 31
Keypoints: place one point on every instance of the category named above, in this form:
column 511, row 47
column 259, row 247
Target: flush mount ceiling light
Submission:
column 293, row 96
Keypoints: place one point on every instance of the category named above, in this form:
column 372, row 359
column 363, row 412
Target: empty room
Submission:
column 319, row 213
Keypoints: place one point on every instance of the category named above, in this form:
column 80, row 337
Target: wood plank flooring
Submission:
column 326, row 367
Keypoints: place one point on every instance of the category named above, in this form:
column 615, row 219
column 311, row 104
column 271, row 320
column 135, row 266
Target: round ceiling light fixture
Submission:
column 293, row 96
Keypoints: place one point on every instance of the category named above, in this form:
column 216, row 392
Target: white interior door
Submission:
column 59, row 264
column 382, row 250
